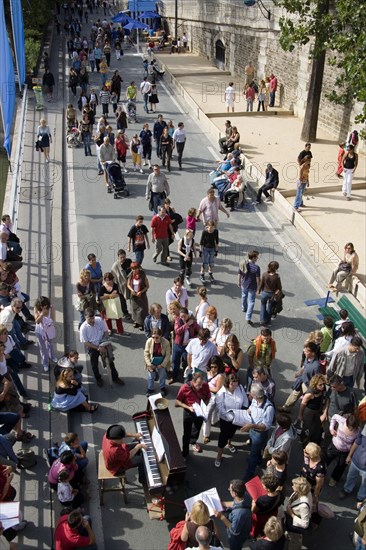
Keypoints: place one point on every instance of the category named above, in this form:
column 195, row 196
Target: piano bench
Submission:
column 104, row 476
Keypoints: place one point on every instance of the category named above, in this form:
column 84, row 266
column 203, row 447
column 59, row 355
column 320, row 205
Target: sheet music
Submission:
column 9, row 514
column 158, row 444
column 210, row 498
column 200, row 409
column 241, row 417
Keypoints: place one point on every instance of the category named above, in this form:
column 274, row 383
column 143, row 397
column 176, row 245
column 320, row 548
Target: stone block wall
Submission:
column 248, row 36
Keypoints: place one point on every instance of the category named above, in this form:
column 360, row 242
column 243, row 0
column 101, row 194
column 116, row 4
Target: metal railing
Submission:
column 13, row 208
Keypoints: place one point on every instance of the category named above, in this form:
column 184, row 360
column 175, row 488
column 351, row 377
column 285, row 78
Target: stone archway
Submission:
column 220, row 51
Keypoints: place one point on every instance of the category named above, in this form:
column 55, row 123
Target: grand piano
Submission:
column 165, row 477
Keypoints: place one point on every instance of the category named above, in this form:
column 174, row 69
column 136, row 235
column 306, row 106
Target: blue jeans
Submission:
column 179, row 352
column 146, row 99
column 359, row 543
column 300, row 188
column 352, row 478
column 266, row 307
column 139, row 256
column 272, row 98
column 104, row 78
column 83, row 462
column 247, row 303
column 17, row 335
column 86, row 138
column 151, row 378
column 156, row 200
column 258, row 442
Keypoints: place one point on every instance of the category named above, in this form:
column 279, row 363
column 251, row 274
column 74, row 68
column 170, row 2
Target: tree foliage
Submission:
column 341, row 32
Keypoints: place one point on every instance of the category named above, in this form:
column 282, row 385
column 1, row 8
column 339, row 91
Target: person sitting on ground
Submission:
column 68, row 395
column 271, row 182
column 74, row 531
column 72, row 443
column 347, row 267
column 120, row 456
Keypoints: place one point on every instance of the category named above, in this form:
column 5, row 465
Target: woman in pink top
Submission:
column 344, row 429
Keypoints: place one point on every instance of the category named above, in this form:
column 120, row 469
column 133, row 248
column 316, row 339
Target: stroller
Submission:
column 73, row 137
column 117, row 184
column 131, row 111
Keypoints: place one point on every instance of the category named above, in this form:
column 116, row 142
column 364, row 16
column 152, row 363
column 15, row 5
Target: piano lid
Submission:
column 164, row 424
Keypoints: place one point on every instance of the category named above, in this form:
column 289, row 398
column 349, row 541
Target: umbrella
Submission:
column 133, row 24
column 149, row 15
column 121, row 18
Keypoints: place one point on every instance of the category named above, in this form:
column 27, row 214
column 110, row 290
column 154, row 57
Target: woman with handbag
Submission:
column 112, row 307
column 348, row 266
column 44, row 138
column 299, row 506
column 45, row 330
column 157, row 357
column 138, row 285
column 85, row 294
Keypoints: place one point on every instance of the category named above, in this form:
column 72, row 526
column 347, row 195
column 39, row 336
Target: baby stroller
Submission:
column 73, row 137
column 117, row 184
column 131, row 111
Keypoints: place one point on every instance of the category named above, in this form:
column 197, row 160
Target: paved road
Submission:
column 101, row 226
column 94, row 221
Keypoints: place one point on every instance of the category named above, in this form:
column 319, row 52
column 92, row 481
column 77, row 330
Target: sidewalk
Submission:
column 273, row 137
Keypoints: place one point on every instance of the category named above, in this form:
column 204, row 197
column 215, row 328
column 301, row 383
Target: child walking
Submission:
column 191, row 220
column 209, row 246
column 186, row 250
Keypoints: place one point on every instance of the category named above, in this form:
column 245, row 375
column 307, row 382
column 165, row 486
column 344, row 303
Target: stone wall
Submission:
column 248, row 36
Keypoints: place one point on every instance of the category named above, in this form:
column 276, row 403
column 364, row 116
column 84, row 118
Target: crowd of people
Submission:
column 187, row 344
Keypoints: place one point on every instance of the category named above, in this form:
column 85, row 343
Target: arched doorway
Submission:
column 220, row 54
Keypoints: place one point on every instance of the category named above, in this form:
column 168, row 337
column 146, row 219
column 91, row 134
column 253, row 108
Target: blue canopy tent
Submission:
column 136, row 25
column 151, row 15
column 121, row 18
column 7, row 83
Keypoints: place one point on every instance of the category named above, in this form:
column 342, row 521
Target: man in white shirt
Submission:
column 199, row 352
column 145, row 88
column 9, row 320
column 179, row 140
column 230, row 97
column 92, row 333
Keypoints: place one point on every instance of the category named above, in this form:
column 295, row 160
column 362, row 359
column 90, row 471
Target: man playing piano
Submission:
column 120, row 456
column 188, row 395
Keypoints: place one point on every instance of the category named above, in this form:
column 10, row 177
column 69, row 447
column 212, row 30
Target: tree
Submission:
column 336, row 27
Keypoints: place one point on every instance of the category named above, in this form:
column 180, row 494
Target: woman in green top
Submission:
column 131, row 92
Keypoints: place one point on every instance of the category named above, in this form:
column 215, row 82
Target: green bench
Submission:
column 357, row 318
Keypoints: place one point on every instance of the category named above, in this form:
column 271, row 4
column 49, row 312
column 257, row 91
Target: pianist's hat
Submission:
column 116, row 432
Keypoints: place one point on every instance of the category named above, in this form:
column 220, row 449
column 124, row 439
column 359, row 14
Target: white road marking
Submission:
column 173, row 99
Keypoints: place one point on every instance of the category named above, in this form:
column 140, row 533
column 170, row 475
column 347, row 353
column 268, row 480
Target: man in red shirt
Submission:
column 161, row 226
column 119, row 456
column 272, row 90
column 74, row 531
column 191, row 393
